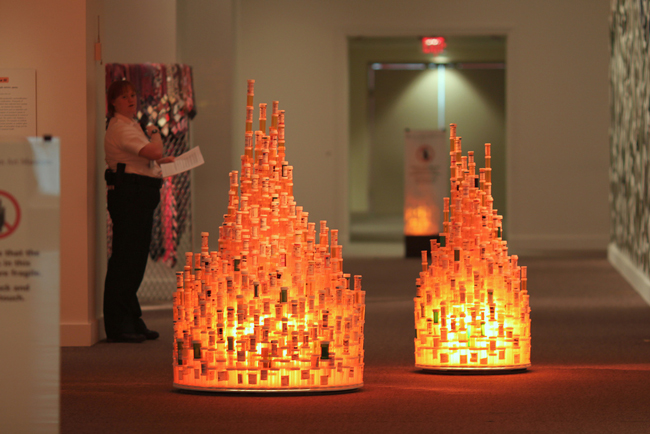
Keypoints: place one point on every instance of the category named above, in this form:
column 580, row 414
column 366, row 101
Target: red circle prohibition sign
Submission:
column 425, row 153
column 10, row 227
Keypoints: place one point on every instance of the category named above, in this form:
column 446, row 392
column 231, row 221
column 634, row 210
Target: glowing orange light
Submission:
column 419, row 220
column 271, row 310
column 472, row 306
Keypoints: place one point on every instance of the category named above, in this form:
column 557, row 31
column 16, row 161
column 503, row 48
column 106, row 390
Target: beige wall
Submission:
column 199, row 33
column 57, row 39
column 557, row 100
column 52, row 39
column 476, row 103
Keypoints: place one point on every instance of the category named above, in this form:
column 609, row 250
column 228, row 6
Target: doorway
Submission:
column 394, row 86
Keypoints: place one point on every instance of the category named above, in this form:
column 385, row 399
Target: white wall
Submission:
column 557, row 100
column 199, row 33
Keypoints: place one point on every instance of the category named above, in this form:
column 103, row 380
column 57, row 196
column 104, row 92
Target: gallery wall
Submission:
column 557, row 105
column 557, row 101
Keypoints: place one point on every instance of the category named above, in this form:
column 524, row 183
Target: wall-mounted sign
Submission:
column 17, row 103
column 425, row 170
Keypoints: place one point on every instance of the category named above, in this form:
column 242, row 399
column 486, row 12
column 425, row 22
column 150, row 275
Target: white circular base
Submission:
column 472, row 369
column 325, row 389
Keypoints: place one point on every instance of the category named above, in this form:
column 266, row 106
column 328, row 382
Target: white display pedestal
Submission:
column 29, row 285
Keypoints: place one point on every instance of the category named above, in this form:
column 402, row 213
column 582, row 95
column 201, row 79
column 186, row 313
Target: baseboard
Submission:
column 630, row 271
column 520, row 244
column 79, row 334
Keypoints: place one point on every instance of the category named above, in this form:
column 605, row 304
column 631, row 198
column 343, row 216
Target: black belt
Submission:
column 121, row 177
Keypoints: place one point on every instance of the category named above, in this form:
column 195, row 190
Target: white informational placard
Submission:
column 17, row 103
column 184, row 162
column 29, row 285
column 427, row 170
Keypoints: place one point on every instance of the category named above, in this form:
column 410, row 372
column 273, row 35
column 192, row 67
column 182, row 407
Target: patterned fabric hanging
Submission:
column 165, row 99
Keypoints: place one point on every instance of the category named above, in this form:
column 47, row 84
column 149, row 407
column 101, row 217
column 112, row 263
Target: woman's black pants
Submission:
column 131, row 206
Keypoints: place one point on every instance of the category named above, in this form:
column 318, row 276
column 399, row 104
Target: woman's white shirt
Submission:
column 123, row 141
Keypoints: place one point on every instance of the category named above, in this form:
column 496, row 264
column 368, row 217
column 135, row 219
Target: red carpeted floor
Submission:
column 590, row 370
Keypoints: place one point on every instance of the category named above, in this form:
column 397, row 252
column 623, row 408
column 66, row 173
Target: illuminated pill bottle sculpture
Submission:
column 472, row 306
column 271, row 310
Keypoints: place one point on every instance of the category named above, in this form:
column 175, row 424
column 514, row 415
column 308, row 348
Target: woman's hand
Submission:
column 151, row 130
column 154, row 150
column 169, row 159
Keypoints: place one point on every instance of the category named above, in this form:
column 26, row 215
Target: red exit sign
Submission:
column 432, row 45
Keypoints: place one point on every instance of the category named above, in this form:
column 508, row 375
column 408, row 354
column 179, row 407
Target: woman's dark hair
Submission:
column 117, row 88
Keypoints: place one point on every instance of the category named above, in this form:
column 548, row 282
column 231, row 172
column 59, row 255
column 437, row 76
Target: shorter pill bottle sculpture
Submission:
column 472, row 308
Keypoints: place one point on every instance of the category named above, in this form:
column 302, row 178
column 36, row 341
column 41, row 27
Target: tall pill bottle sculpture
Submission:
column 271, row 309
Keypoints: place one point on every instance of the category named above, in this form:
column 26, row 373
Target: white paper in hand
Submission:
column 183, row 162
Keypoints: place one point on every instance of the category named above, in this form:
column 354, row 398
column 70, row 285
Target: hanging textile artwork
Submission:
column 165, row 99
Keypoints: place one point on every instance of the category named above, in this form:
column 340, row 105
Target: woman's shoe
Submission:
column 150, row 334
column 134, row 338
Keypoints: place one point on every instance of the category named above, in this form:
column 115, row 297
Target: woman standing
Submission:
column 133, row 179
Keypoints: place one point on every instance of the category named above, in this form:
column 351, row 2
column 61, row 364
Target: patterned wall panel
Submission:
column 629, row 173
